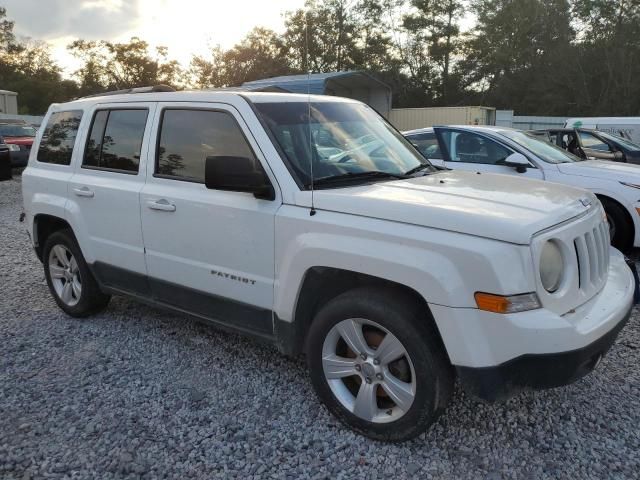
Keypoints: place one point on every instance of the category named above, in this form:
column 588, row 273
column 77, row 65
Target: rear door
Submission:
column 477, row 152
column 105, row 193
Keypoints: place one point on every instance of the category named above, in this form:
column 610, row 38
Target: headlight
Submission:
column 13, row 147
column 551, row 266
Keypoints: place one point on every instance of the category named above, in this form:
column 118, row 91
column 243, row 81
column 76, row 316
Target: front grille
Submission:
column 592, row 250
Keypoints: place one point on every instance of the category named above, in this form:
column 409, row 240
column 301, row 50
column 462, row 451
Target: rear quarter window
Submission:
column 59, row 137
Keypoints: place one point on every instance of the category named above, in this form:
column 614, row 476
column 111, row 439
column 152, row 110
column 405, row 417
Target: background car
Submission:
column 19, row 137
column 515, row 152
column 5, row 161
column 593, row 144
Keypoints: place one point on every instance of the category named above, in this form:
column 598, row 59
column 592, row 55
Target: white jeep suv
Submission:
column 273, row 215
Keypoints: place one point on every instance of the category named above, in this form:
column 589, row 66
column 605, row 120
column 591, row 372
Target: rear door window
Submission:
column 115, row 140
column 59, row 137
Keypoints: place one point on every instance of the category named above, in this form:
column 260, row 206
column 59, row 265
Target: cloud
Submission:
column 87, row 19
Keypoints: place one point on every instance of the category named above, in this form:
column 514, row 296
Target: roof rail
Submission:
column 149, row 89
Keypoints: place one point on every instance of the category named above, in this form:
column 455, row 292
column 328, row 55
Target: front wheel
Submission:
column 69, row 278
column 377, row 363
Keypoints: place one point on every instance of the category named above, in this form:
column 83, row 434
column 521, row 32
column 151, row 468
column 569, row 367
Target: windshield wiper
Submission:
column 355, row 176
column 420, row 167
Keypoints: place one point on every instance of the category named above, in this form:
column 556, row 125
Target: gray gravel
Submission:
column 137, row 392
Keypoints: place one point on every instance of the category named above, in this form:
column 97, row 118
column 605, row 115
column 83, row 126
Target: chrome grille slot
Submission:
column 592, row 250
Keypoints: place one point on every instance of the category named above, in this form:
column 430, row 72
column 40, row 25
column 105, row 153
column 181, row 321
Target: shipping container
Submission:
column 8, row 102
column 412, row 118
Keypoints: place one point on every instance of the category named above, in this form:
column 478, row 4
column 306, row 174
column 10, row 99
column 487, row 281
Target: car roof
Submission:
column 214, row 95
column 474, row 128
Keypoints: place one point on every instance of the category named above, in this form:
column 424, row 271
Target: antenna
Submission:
column 312, row 212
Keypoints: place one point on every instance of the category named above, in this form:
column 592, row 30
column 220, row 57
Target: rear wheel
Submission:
column 621, row 227
column 69, row 278
column 377, row 363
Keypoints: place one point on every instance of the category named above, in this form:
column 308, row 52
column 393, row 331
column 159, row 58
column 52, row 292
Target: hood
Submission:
column 501, row 207
column 19, row 140
column 602, row 169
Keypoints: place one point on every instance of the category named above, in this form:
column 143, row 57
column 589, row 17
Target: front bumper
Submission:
column 536, row 372
column 497, row 355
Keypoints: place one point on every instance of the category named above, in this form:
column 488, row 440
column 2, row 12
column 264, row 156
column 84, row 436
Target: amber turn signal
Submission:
column 506, row 304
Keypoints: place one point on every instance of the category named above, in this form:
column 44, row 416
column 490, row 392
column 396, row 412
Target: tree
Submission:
column 115, row 66
column 28, row 68
column 321, row 37
column 518, row 55
column 259, row 55
column 608, row 56
column 433, row 33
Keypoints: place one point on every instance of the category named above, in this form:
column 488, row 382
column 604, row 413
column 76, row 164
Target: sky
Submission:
column 184, row 26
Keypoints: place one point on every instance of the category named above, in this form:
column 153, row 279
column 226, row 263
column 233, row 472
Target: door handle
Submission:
column 162, row 205
column 83, row 192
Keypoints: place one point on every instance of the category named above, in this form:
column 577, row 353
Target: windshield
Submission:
column 619, row 140
column 345, row 140
column 17, row 131
column 540, row 147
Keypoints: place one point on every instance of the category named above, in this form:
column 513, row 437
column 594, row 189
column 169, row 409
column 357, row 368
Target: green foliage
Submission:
column 564, row 57
column 115, row 66
column 29, row 69
column 260, row 54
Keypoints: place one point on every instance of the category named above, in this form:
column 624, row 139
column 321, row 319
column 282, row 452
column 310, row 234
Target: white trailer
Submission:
column 8, row 102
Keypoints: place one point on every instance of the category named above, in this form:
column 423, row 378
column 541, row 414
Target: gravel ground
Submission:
column 137, row 392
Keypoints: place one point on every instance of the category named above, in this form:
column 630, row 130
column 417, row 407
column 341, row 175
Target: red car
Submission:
column 19, row 138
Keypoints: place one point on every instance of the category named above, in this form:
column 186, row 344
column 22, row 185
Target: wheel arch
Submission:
column 625, row 209
column 319, row 286
column 43, row 226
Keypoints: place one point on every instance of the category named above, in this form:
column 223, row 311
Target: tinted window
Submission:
column 543, row 150
column 467, row 147
column 188, row 137
column 115, row 140
column 427, row 145
column 94, row 143
column 59, row 137
column 591, row 141
column 340, row 138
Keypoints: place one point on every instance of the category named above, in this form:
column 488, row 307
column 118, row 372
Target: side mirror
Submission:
column 517, row 161
column 237, row 174
column 618, row 156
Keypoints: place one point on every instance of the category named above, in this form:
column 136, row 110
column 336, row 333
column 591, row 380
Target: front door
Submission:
column 595, row 148
column 209, row 252
column 477, row 152
column 427, row 144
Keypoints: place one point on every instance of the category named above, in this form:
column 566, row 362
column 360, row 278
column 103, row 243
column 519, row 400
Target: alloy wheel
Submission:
column 368, row 370
column 65, row 275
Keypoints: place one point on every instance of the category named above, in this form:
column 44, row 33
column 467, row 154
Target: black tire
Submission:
column 622, row 228
column 414, row 327
column 5, row 170
column 91, row 299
